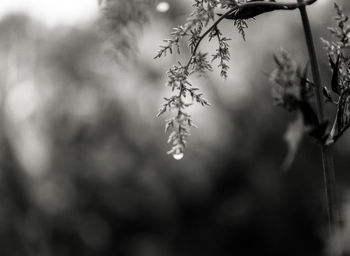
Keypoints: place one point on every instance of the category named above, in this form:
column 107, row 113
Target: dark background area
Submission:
column 84, row 169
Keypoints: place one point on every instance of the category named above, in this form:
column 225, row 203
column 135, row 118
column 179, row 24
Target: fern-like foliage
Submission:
column 222, row 52
column 203, row 13
column 241, row 26
column 340, row 46
column 292, row 91
column 193, row 31
column 339, row 58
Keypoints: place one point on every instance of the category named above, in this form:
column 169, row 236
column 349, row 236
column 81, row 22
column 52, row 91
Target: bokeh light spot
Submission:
column 163, row 7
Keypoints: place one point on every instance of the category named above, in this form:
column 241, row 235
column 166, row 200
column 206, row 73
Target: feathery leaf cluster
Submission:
column 289, row 83
column 340, row 47
column 194, row 31
column 184, row 94
column 292, row 91
column 339, row 59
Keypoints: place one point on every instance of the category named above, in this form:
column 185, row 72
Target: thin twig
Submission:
column 280, row 6
column 206, row 33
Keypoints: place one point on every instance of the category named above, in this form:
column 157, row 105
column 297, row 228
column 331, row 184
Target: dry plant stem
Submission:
column 327, row 157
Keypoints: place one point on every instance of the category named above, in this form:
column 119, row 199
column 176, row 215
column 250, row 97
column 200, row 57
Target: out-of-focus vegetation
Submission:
column 83, row 163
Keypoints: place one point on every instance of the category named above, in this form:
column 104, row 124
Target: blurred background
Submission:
column 84, row 169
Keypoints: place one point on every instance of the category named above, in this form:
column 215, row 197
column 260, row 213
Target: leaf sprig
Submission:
column 193, row 31
column 339, row 49
column 222, row 52
column 339, row 60
column 292, row 91
column 178, row 75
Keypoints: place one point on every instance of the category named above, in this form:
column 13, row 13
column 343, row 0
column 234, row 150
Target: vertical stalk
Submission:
column 327, row 157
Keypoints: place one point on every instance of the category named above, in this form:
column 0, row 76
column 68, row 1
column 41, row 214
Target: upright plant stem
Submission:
column 327, row 157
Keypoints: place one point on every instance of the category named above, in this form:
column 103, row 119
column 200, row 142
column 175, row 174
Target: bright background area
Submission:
column 52, row 12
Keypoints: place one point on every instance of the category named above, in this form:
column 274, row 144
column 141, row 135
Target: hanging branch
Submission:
column 178, row 74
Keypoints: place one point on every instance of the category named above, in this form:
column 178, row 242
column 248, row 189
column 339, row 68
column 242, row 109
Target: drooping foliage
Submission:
column 204, row 21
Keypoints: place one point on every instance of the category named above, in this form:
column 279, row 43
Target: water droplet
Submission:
column 178, row 155
column 163, row 7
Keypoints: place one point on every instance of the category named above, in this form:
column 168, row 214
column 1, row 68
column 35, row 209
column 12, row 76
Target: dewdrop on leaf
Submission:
column 178, row 155
column 177, row 152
